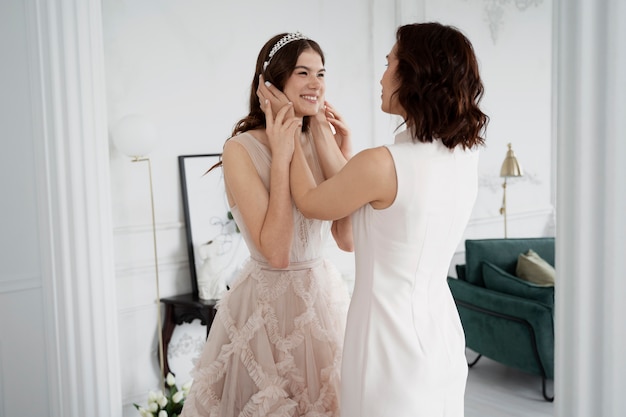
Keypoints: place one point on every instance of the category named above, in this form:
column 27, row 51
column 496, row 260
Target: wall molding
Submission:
column 494, row 182
column 523, row 215
column 133, row 269
column 140, row 308
column 147, row 228
column 495, row 10
column 24, row 284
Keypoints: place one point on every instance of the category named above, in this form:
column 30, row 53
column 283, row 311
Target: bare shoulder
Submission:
column 234, row 146
column 235, row 156
column 380, row 153
column 375, row 169
column 231, row 146
column 378, row 158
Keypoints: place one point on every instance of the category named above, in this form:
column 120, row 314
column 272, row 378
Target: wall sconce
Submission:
column 135, row 136
column 510, row 168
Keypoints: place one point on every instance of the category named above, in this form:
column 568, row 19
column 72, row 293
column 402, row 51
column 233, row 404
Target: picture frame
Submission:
column 208, row 218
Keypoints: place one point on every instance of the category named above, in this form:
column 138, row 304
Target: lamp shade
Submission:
column 510, row 166
column 134, row 135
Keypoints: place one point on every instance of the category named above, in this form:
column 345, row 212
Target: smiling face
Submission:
column 390, row 84
column 306, row 86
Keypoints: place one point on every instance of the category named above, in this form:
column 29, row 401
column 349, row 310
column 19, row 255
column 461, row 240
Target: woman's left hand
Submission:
column 342, row 132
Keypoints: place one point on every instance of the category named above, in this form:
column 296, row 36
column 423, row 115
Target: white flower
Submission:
column 163, row 402
column 162, row 413
column 178, row 397
column 144, row 412
column 152, row 396
column 187, row 386
column 153, row 407
column 170, row 379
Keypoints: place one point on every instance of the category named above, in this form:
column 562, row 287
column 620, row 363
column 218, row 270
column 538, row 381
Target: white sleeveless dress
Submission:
column 404, row 352
column 274, row 348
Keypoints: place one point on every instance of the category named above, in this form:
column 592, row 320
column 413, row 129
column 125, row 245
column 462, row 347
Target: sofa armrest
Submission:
column 509, row 316
column 497, row 301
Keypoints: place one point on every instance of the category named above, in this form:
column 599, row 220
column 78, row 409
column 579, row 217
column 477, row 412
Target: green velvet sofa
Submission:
column 516, row 326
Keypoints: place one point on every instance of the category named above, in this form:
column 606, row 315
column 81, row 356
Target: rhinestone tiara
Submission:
column 290, row 37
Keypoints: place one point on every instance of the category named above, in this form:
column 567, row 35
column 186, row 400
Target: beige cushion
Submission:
column 533, row 268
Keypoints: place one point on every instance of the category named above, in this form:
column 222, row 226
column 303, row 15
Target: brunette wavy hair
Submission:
column 277, row 72
column 439, row 85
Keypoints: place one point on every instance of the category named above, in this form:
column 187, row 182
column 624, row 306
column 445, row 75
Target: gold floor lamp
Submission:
column 510, row 168
column 135, row 136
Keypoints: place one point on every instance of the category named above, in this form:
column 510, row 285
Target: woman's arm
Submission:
column 368, row 178
column 333, row 145
column 333, row 149
column 268, row 216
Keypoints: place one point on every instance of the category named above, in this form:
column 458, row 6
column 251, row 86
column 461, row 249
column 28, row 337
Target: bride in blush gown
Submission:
column 275, row 346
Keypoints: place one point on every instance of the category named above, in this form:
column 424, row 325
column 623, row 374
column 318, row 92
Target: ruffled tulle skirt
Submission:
column 274, row 348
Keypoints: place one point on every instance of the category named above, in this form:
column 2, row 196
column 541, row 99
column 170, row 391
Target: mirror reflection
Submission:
column 189, row 69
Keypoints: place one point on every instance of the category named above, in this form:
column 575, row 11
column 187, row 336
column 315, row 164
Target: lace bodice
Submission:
column 309, row 234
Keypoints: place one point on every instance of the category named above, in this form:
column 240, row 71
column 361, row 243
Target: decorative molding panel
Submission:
column 494, row 182
column 147, row 228
column 495, row 10
column 147, row 267
column 25, row 284
column 139, row 309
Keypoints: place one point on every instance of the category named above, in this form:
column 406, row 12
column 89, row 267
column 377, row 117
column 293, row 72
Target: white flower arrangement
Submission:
column 166, row 405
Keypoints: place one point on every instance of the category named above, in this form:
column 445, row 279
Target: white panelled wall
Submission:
column 77, row 297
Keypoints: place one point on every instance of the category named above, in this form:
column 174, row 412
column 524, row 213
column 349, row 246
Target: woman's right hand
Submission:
column 281, row 131
column 277, row 99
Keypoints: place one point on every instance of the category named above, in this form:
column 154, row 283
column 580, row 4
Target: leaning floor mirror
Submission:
column 215, row 246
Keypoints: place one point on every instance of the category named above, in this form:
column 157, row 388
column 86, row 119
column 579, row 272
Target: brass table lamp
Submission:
column 510, row 168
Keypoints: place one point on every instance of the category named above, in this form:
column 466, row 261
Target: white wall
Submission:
column 189, row 69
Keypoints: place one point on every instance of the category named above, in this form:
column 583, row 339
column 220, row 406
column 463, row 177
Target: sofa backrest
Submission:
column 503, row 253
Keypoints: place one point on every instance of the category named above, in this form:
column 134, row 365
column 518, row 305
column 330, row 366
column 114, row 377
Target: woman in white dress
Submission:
column 404, row 351
column 274, row 348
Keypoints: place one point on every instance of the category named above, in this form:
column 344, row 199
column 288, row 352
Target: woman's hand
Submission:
column 340, row 127
column 281, row 131
column 277, row 99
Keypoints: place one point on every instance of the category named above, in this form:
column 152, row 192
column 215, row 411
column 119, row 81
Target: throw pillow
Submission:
column 497, row 279
column 533, row 268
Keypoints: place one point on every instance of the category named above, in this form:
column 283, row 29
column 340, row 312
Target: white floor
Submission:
column 494, row 390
